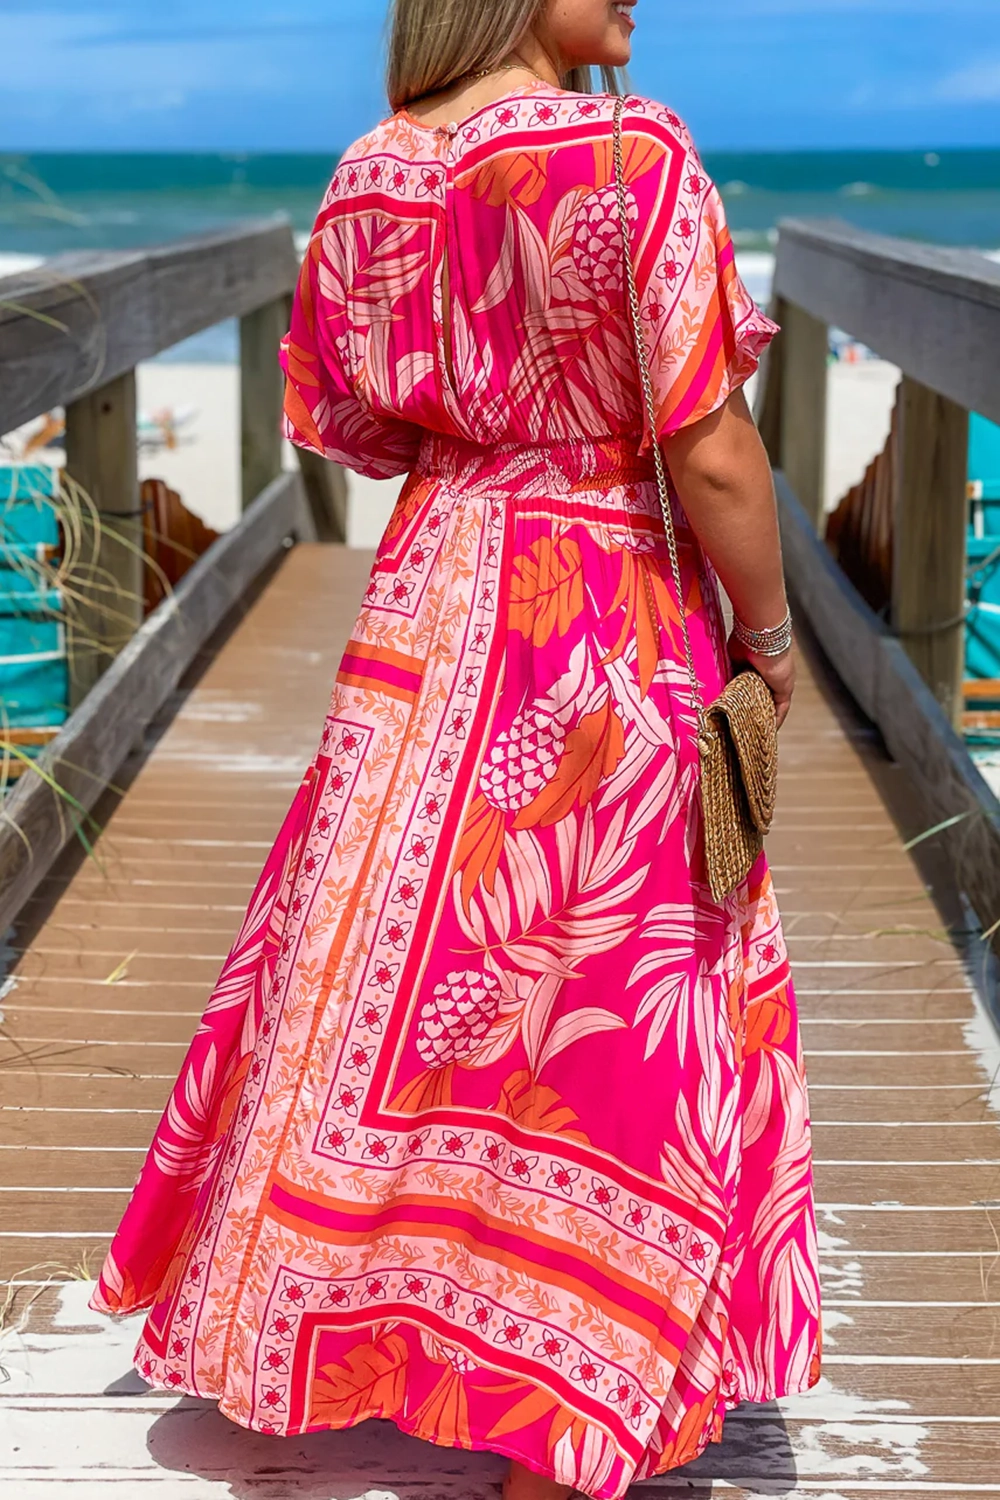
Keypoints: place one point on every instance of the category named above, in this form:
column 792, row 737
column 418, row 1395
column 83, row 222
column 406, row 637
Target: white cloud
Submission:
column 979, row 83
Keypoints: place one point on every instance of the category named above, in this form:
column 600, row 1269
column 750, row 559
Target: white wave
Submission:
column 11, row 264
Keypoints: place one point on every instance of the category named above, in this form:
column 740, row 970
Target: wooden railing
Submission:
column 71, row 335
column 935, row 313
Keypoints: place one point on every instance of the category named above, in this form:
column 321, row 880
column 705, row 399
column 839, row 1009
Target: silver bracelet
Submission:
column 773, row 642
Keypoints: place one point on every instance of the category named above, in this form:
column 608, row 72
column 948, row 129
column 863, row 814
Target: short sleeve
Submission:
column 322, row 409
column 704, row 333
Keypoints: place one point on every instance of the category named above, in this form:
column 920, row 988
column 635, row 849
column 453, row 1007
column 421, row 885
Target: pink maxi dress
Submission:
column 496, row 1124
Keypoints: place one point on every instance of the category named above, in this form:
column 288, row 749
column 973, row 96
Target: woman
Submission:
column 496, row 1124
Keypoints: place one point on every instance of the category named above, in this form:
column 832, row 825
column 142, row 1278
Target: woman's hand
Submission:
column 777, row 671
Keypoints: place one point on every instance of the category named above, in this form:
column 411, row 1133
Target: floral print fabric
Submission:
column 496, row 1125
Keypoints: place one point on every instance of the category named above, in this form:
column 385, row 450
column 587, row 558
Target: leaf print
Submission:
column 542, row 997
column 300, row 415
column 593, row 750
column 534, row 1407
column 369, row 1380
column 546, row 589
column 768, row 1022
column 444, row 1416
column 430, row 1089
column 529, row 876
column 410, row 370
column 480, row 848
column 518, row 177
column 533, row 262
column 560, row 230
column 587, row 1021
column 536, row 1107
column 589, row 1457
column 501, row 278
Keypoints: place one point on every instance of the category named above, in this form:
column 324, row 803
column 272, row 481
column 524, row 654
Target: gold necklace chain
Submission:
column 510, row 67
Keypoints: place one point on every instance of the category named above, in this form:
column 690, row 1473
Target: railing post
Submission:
column 261, row 394
column 107, row 580
column 768, row 405
column 929, row 547
column 802, row 440
column 326, row 495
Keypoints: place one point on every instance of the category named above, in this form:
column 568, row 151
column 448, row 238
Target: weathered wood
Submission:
column 930, row 513
column 889, row 689
column 326, row 493
column 105, row 589
column 262, row 385
column 96, row 738
column 80, row 320
column 767, row 410
column 931, row 310
column 801, row 441
column 859, row 531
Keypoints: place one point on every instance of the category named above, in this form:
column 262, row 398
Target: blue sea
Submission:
column 51, row 203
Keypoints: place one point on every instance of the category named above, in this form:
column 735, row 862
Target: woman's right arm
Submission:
column 722, row 475
column 704, row 335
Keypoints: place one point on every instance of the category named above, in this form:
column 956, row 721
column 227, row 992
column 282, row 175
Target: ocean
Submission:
column 52, row 203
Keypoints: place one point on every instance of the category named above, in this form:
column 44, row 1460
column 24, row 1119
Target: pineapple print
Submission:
column 523, row 761
column 597, row 239
column 457, row 1017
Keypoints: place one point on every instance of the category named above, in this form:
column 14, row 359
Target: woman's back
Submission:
column 467, row 280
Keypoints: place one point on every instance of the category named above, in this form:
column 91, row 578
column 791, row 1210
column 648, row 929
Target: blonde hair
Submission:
column 434, row 43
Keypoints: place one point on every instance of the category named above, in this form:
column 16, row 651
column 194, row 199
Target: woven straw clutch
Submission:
column 738, row 743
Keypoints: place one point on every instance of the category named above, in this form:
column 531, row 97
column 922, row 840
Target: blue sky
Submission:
column 304, row 75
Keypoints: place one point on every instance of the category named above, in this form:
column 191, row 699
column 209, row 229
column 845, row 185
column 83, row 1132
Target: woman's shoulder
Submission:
column 395, row 159
column 650, row 117
column 561, row 108
column 577, row 117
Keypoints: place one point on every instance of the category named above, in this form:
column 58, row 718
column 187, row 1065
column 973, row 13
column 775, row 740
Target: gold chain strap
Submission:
column 646, row 382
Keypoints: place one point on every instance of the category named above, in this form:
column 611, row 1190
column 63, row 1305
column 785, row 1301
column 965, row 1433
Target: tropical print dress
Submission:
column 496, row 1124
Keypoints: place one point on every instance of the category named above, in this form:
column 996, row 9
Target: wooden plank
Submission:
column 105, row 589
column 890, row 691
column 96, row 738
column 80, row 320
column 261, row 394
column 928, row 551
column 931, row 310
column 802, row 435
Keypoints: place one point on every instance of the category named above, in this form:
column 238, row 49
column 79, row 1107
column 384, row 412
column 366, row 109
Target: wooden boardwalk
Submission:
column 118, row 955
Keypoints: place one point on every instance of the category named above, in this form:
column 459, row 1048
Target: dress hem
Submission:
column 502, row 1449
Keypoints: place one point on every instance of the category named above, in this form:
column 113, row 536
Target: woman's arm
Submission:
column 721, row 473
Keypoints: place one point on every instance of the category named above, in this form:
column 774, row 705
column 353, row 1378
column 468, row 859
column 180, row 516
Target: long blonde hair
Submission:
column 434, row 43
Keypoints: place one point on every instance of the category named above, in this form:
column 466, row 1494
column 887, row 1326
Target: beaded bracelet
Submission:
column 773, row 642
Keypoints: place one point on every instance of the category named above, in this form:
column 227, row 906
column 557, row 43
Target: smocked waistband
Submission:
column 558, row 468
